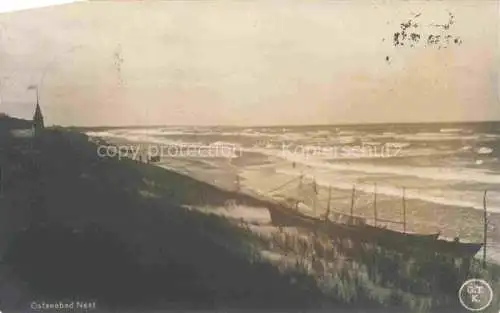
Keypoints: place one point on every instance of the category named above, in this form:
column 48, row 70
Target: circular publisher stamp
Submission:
column 475, row 295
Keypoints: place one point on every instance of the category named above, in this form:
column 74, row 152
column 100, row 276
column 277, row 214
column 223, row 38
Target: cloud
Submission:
column 245, row 63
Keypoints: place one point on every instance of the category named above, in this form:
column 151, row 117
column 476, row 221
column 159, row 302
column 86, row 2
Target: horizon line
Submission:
column 279, row 125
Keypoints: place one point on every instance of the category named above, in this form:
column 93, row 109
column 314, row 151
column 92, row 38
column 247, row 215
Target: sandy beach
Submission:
column 421, row 216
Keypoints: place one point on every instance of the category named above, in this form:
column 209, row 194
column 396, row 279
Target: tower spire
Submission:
column 38, row 124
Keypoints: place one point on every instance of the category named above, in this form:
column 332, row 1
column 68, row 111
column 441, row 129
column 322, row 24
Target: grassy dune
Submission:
column 76, row 226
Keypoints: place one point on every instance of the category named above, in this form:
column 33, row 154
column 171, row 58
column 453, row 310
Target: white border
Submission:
column 17, row 5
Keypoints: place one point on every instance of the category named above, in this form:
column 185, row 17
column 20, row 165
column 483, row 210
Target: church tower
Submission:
column 38, row 125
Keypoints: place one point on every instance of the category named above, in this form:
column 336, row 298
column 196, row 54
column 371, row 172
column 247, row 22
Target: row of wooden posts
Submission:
column 376, row 219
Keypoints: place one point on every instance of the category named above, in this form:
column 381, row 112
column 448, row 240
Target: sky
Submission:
column 248, row 63
column 13, row 6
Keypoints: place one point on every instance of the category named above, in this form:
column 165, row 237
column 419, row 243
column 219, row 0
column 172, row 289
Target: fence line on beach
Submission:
column 352, row 216
column 376, row 218
column 403, row 222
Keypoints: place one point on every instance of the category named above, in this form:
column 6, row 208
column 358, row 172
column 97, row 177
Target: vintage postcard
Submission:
column 260, row 156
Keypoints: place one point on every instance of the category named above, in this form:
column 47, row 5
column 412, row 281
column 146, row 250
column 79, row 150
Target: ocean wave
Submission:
column 138, row 138
column 398, row 144
column 157, row 132
column 224, row 143
column 450, row 136
column 142, row 131
column 244, row 134
column 493, row 136
column 387, row 154
column 151, row 138
column 328, row 153
column 104, row 134
column 186, row 132
column 179, row 148
column 297, row 137
column 484, row 150
column 372, row 143
column 319, row 134
column 451, row 130
column 433, row 173
column 432, row 137
column 380, row 136
column 347, row 132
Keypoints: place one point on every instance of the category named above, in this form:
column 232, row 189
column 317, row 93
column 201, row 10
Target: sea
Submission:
column 450, row 164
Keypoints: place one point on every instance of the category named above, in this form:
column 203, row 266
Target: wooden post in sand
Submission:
column 404, row 211
column 238, row 185
column 375, row 204
column 315, row 199
column 328, row 205
column 485, row 229
column 352, row 201
column 299, row 192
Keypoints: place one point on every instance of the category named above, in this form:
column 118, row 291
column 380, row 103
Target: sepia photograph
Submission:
column 250, row 156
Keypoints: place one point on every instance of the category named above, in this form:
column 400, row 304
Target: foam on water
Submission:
column 103, row 134
column 457, row 163
column 441, row 165
column 484, row 150
column 398, row 144
column 441, row 137
column 451, row 130
column 468, row 199
column 433, row 173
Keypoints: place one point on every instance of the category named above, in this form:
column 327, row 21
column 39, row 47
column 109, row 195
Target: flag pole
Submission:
column 375, row 204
